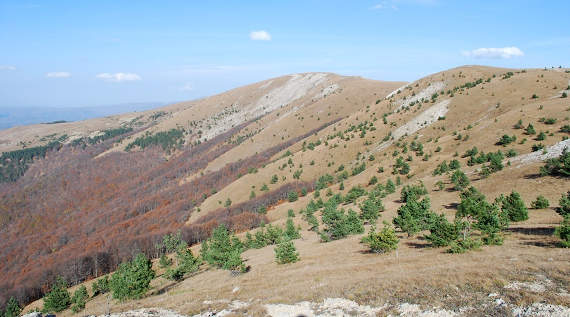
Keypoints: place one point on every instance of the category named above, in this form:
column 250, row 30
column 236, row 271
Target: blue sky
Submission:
column 87, row 53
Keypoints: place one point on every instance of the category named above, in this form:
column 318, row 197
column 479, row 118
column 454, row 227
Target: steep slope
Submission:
column 362, row 130
column 484, row 113
column 84, row 196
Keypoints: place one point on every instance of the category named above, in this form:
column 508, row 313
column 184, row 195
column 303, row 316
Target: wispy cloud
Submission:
column 7, row 67
column 260, row 36
column 118, row 77
column 58, row 75
column 494, row 52
column 187, row 87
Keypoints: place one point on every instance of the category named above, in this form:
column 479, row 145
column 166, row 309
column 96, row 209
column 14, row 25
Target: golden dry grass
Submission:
column 415, row 273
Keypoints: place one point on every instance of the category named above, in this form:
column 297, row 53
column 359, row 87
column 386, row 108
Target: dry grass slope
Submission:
column 448, row 113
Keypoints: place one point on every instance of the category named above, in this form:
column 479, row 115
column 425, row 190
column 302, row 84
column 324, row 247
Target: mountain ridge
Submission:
column 294, row 129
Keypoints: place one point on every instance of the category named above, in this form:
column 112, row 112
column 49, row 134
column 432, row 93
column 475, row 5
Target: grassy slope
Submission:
column 341, row 268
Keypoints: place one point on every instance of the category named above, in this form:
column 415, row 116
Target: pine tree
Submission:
column 442, row 232
column 101, row 286
column 164, row 261
column 260, row 240
column 12, row 308
column 313, row 222
column 274, row 179
column 557, row 166
column 496, row 163
column 338, row 223
column 413, row 192
column 390, row 187
column 274, row 234
column 291, row 233
column 459, row 180
column 132, row 279
column 173, row 274
column 413, row 216
column 79, row 298
column 540, row 203
column 292, row 196
column 514, row 206
column 475, row 213
column 286, row 252
column 491, row 222
column 170, row 242
column 564, row 209
column 187, row 262
column 354, row 224
column 58, row 298
column 383, row 241
column 563, row 232
column 370, row 208
column 220, row 252
column 454, row 164
column 530, row 129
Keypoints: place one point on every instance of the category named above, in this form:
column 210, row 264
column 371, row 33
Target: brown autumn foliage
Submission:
column 78, row 215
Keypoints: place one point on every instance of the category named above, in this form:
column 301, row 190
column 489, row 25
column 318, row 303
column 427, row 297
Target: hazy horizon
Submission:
column 26, row 115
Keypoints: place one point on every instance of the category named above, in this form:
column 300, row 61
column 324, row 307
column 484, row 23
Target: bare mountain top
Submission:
column 210, row 116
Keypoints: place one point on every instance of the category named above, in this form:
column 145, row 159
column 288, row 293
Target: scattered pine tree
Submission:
column 12, row 308
column 382, row 242
column 460, row 180
column 559, row 166
column 514, row 206
column 79, row 298
column 132, row 279
column 540, row 203
column 442, row 232
column 221, row 252
column 58, row 298
column 286, row 252
column 563, row 232
column 101, row 286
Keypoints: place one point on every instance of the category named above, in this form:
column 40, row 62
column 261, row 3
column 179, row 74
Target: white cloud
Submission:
column 187, row 87
column 7, row 67
column 58, row 75
column 260, row 36
column 495, row 53
column 118, row 77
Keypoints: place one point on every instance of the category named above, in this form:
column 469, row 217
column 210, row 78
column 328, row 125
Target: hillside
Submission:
column 82, row 197
column 84, row 203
